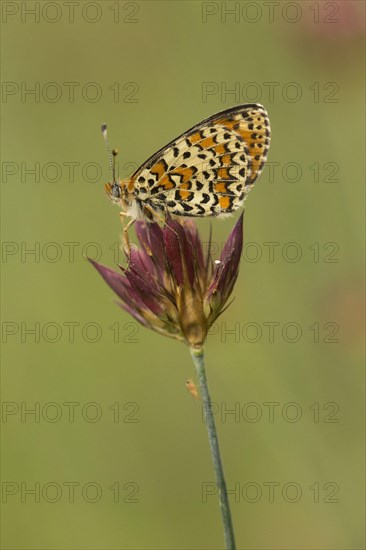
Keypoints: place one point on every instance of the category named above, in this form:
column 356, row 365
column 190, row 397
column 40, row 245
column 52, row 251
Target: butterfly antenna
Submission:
column 111, row 153
column 115, row 153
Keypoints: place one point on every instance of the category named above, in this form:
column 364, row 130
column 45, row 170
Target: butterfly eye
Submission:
column 116, row 190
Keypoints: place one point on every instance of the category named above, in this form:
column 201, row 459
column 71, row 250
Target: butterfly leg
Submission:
column 126, row 240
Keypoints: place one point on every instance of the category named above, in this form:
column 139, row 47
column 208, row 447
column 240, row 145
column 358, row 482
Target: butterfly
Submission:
column 206, row 171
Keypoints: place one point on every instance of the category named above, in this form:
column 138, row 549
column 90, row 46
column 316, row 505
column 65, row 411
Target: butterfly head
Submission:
column 114, row 191
column 119, row 191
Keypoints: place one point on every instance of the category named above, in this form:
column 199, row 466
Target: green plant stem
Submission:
column 198, row 359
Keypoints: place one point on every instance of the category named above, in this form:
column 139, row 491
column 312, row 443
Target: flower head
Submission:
column 171, row 285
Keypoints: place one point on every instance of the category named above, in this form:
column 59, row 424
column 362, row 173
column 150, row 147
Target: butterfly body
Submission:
column 207, row 171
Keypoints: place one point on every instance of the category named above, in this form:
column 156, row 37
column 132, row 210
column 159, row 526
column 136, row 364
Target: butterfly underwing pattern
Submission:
column 207, row 171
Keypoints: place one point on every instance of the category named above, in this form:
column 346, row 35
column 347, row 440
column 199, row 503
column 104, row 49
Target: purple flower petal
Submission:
column 114, row 280
column 141, row 261
column 135, row 314
column 234, row 243
column 151, row 238
column 121, row 286
column 146, row 290
column 196, row 244
column 226, row 272
column 178, row 252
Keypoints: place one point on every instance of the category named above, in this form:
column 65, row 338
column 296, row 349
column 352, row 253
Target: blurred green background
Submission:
column 151, row 70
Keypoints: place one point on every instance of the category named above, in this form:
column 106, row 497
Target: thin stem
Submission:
column 198, row 359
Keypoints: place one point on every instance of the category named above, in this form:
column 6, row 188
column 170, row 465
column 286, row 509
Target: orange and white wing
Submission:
column 209, row 169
